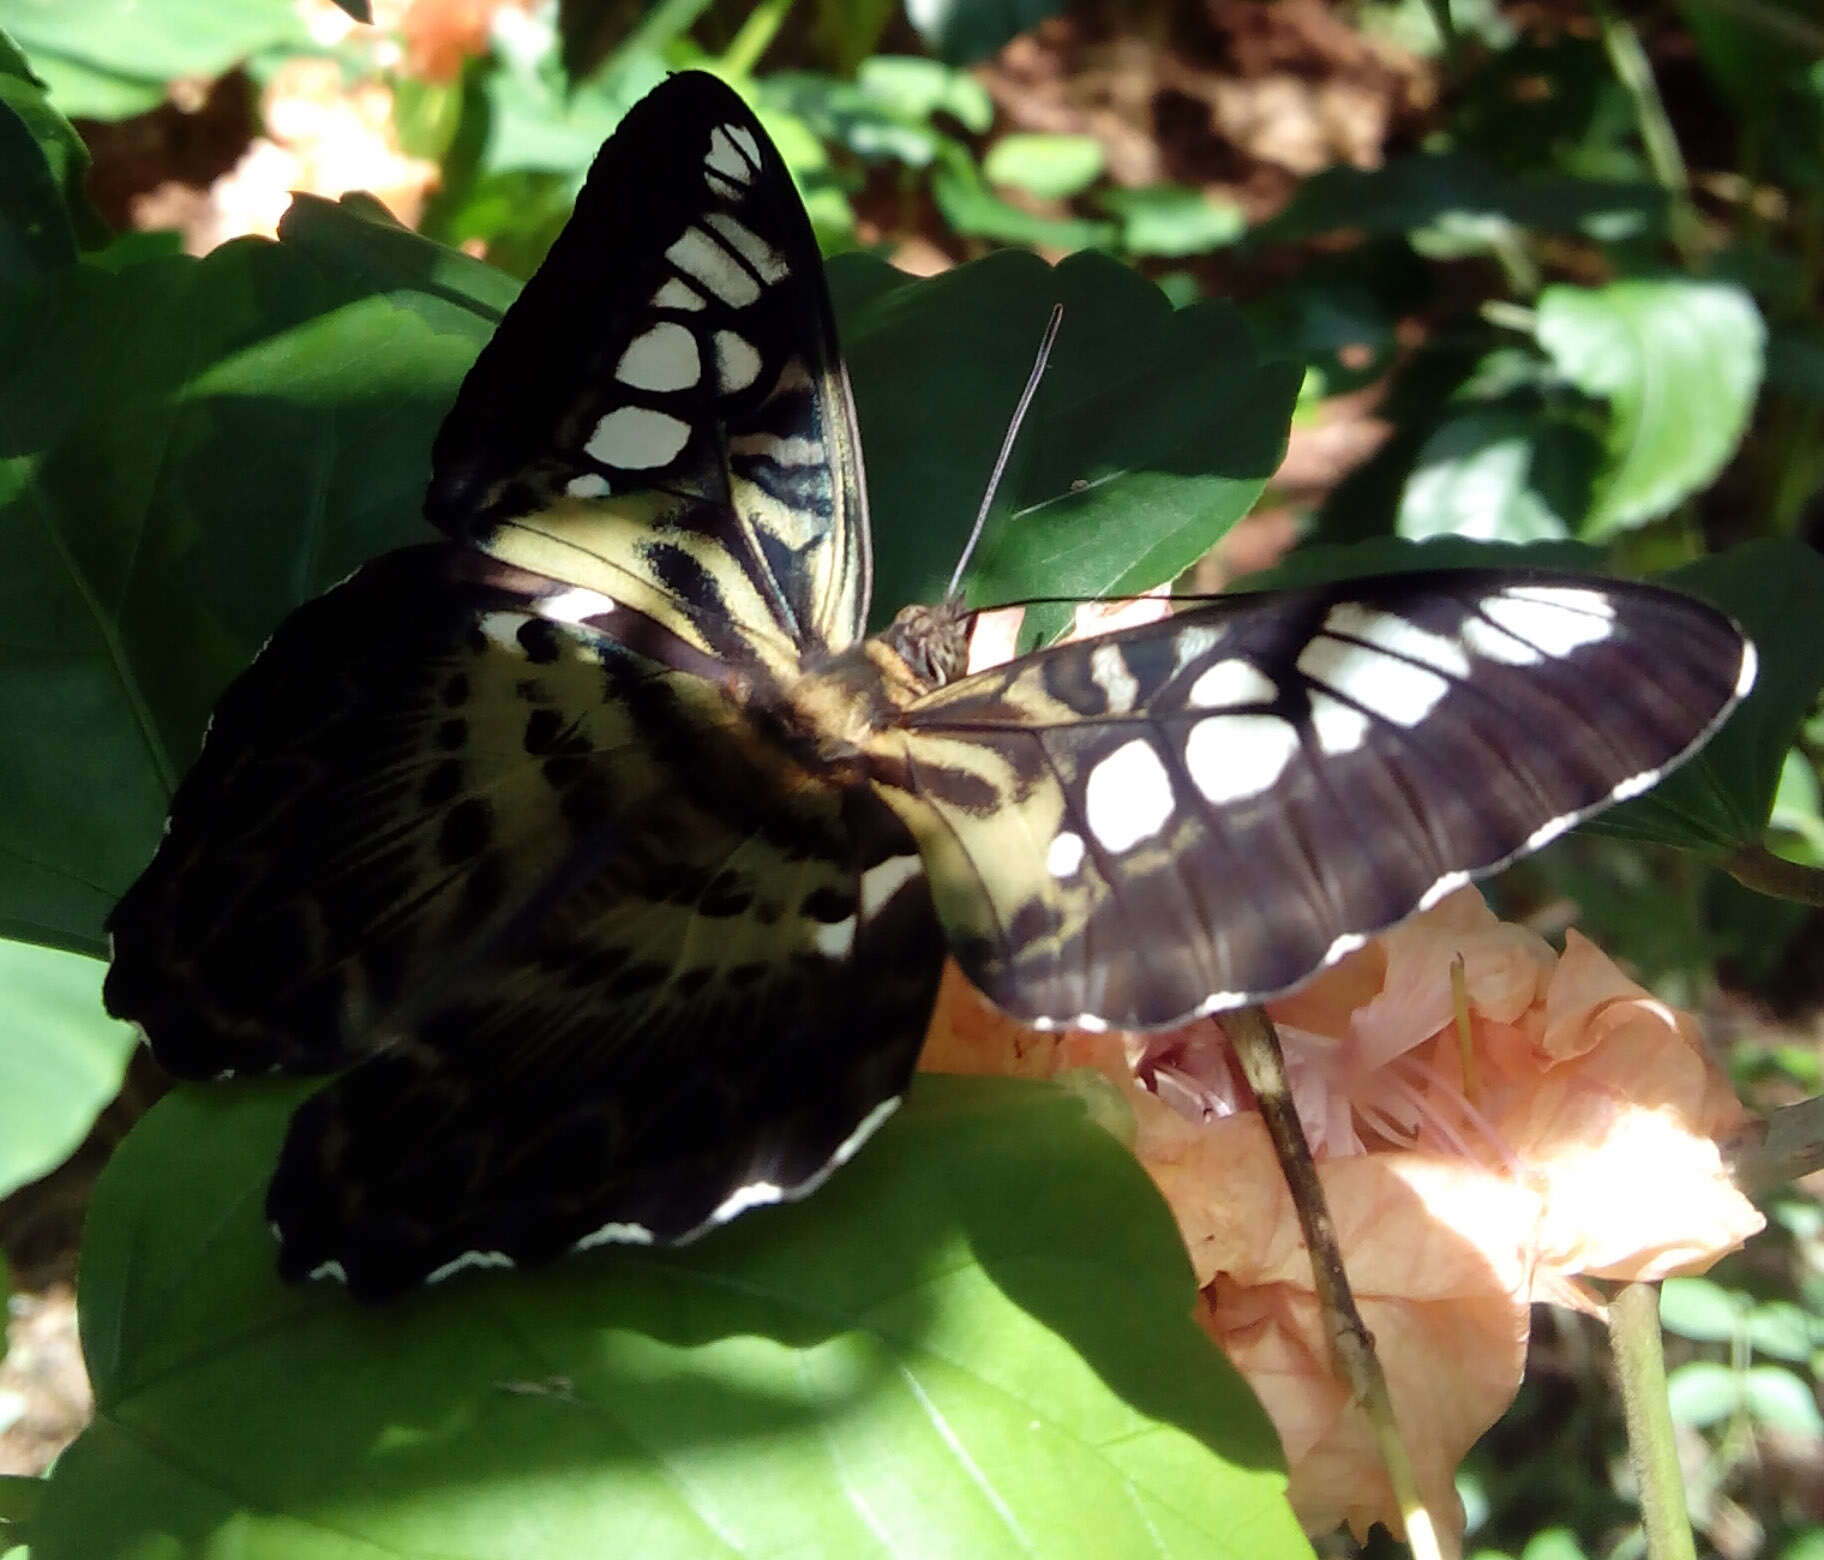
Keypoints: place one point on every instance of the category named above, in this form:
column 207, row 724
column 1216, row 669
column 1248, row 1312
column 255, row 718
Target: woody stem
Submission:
column 1352, row 1354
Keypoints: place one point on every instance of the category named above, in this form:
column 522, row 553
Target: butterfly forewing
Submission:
column 663, row 409
column 1200, row 813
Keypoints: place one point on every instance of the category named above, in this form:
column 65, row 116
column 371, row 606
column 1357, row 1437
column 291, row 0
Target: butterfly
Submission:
column 610, row 868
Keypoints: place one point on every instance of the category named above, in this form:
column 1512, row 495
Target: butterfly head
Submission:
column 932, row 641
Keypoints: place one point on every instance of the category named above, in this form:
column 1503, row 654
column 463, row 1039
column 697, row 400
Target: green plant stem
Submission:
column 755, row 37
column 1635, row 73
column 1640, row 1362
column 1756, row 867
column 1352, row 1354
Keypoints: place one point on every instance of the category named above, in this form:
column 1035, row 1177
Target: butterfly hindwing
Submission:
column 663, row 409
column 1202, row 812
column 648, row 1061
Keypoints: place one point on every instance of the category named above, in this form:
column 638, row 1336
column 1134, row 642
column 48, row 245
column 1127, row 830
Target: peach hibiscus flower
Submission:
column 1572, row 1133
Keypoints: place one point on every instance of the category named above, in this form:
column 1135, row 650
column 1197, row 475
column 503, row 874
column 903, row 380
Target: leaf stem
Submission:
column 1754, row 866
column 1640, row 1362
column 1352, row 1354
column 1635, row 73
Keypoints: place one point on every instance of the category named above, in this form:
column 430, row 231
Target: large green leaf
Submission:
column 975, row 1341
column 1679, row 362
column 61, row 1058
column 44, row 214
column 188, row 449
column 1153, row 432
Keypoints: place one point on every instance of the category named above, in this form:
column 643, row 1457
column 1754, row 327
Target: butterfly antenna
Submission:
column 1000, row 461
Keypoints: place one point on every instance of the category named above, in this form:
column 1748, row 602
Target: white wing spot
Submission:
column 330, row 1269
column 756, row 1194
column 794, row 451
column 870, row 1123
column 1190, row 643
column 591, row 484
column 1128, row 796
column 1388, row 631
column 1108, row 667
column 469, row 1259
column 1448, row 884
column 503, row 628
column 725, row 157
column 1233, row 757
column 637, row 437
column 744, row 138
column 614, row 1235
column 1635, row 784
column 677, row 295
column 1345, row 944
column 882, row 881
column 1339, row 729
column 1496, row 644
column 737, row 363
column 1064, row 855
column 1554, row 620
column 706, row 262
column 767, row 262
column 1229, row 683
column 1750, row 665
column 1395, row 690
column 1548, row 831
column 834, row 939
column 575, row 604
column 662, row 358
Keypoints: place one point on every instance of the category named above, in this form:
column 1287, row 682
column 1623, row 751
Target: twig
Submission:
column 1781, row 1147
column 1641, row 1364
column 1352, row 1354
column 1755, row 866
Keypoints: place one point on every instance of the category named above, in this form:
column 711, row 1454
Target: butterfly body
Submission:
column 613, row 870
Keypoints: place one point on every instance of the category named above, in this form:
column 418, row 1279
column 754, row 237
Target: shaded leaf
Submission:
column 1168, row 219
column 1012, row 1368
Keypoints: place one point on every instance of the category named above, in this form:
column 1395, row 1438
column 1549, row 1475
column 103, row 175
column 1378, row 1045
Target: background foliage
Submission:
column 1576, row 284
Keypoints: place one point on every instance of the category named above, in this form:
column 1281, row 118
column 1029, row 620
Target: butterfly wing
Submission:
column 663, row 411
column 606, row 954
column 1200, row 813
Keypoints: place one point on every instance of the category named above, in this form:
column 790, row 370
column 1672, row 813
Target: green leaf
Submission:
column 1168, row 219
column 976, row 1341
column 1703, row 1393
column 191, row 448
column 45, row 216
column 61, row 1058
column 1679, row 362
column 960, row 32
column 1498, row 474
column 107, row 59
column 1460, row 191
column 1720, row 801
column 1781, row 1400
column 1783, row 1330
column 1700, row 1308
column 1052, row 167
column 921, row 88
column 972, row 209
column 1153, row 432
